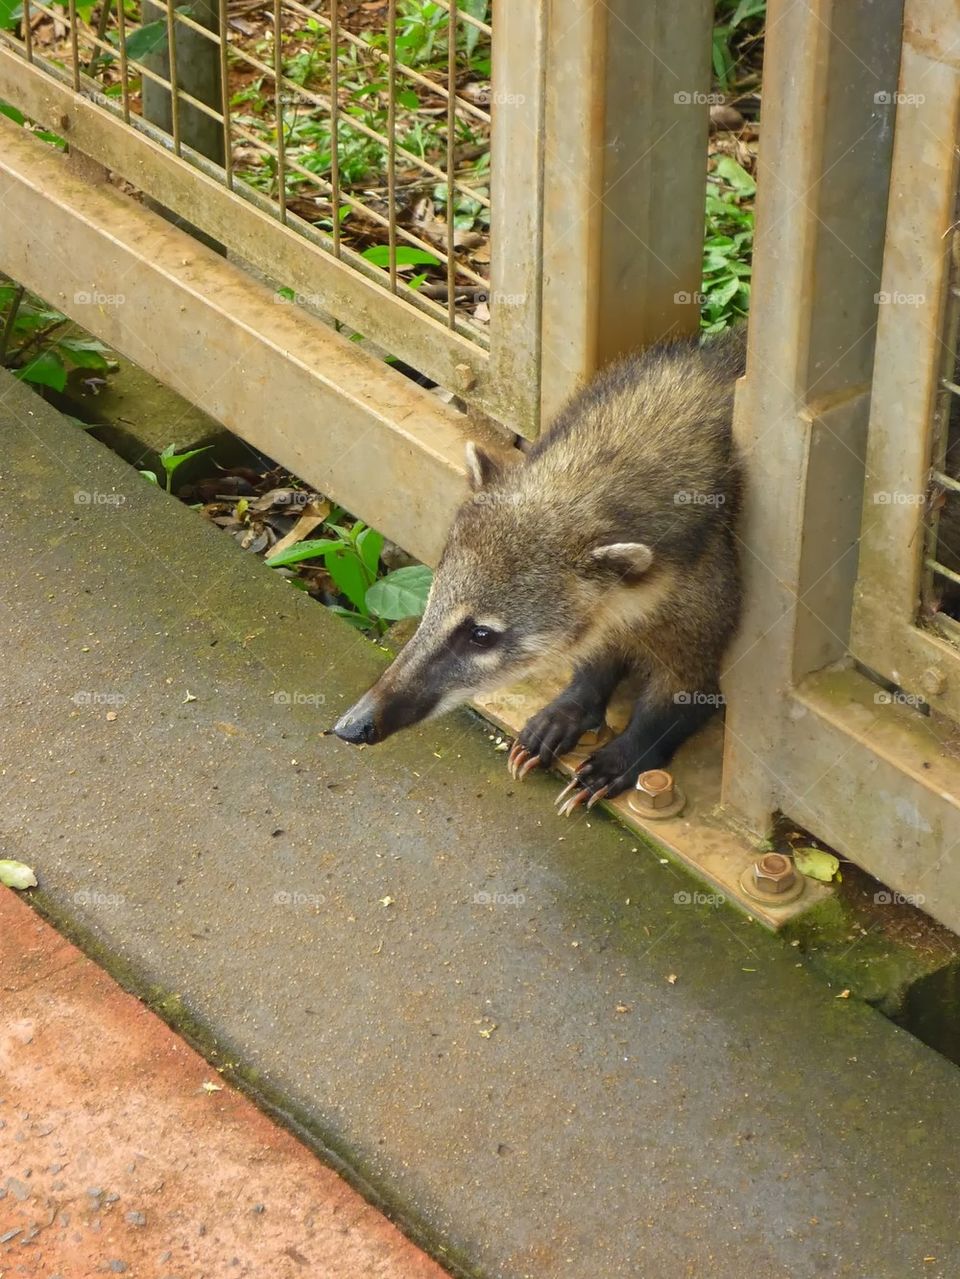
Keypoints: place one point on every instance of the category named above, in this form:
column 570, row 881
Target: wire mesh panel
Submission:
column 940, row 594
column 364, row 128
column 905, row 623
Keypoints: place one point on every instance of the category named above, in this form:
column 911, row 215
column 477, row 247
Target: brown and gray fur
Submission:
column 611, row 545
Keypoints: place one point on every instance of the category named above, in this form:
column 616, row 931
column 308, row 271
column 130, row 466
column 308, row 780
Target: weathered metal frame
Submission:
column 591, row 257
column 282, row 380
column 805, row 734
column 188, row 185
column 627, row 120
column 907, row 385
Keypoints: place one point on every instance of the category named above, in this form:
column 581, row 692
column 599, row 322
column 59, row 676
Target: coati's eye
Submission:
column 484, row 636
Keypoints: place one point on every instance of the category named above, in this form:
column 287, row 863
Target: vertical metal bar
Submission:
column 174, row 92
column 224, row 92
column 27, row 30
column 278, row 99
column 335, row 120
column 451, row 161
column 392, row 139
column 801, row 410
column 124, row 72
column 74, row 51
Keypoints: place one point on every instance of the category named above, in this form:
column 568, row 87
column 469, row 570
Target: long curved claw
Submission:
column 532, row 763
column 515, row 750
column 517, row 761
column 573, row 802
column 597, row 796
column 566, row 791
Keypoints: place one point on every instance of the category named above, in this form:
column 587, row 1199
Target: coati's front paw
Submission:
column 551, row 732
column 610, row 770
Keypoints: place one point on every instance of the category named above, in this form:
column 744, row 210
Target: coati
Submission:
column 611, row 545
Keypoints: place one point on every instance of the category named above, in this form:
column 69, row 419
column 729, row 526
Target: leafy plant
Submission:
column 422, row 32
column 728, row 246
column 735, row 22
column 32, row 346
column 352, row 558
column 170, row 461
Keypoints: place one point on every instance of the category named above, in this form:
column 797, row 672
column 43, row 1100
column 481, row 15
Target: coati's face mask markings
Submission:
column 494, row 614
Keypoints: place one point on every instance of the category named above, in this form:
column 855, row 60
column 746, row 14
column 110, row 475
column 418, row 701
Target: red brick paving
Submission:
column 115, row 1159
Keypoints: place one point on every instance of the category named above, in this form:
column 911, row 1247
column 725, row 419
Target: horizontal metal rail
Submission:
column 280, row 379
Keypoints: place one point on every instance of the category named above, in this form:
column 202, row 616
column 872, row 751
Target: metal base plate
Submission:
column 699, row 836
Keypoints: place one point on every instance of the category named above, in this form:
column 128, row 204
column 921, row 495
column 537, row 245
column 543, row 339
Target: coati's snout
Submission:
column 383, row 710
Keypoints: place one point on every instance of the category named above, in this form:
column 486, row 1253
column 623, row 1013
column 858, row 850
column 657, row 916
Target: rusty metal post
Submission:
column 802, row 409
column 624, row 172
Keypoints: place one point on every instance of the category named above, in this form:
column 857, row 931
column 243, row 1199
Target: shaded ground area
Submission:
column 123, row 1152
column 523, row 1035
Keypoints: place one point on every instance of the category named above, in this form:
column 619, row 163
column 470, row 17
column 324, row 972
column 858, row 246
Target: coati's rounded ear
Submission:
column 625, row 560
column 482, row 469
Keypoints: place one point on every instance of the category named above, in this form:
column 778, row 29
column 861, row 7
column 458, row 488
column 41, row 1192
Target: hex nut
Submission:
column 933, row 681
column 774, row 873
column 656, row 795
column 657, row 786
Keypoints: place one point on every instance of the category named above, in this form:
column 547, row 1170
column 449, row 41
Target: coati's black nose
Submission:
column 357, row 725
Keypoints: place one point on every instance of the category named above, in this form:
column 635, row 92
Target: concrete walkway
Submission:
column 510, row 1029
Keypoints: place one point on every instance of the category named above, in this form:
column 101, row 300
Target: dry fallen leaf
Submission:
column 672, row 979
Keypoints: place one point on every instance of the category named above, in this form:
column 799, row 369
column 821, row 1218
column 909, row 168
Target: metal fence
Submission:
column 844, row 691
column 905, row 622
column 844, row 688
column 292, row 160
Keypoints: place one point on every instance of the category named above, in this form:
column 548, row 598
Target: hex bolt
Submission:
column 933, row 681
column 464, row 377
column 657, row 786
column 656, row 795
column 774, row 873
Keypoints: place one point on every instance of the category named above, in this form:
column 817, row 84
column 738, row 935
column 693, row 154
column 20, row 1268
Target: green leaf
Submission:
column 11, row 13
column 748, row 9
column 725, row 293
column 150, row 38
column 85, row 353
column 150, row 477
column 402, row 593
column 379, row 255
column 16, row 875
column 346, row 569
column 170, row 459
column 46, row 136
column 11, row 112
column 370, row 544
column 45, row 370
column 816, row 864
column 360, row 620
column 735, row 175
column 309, row 549
column 407, row 98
